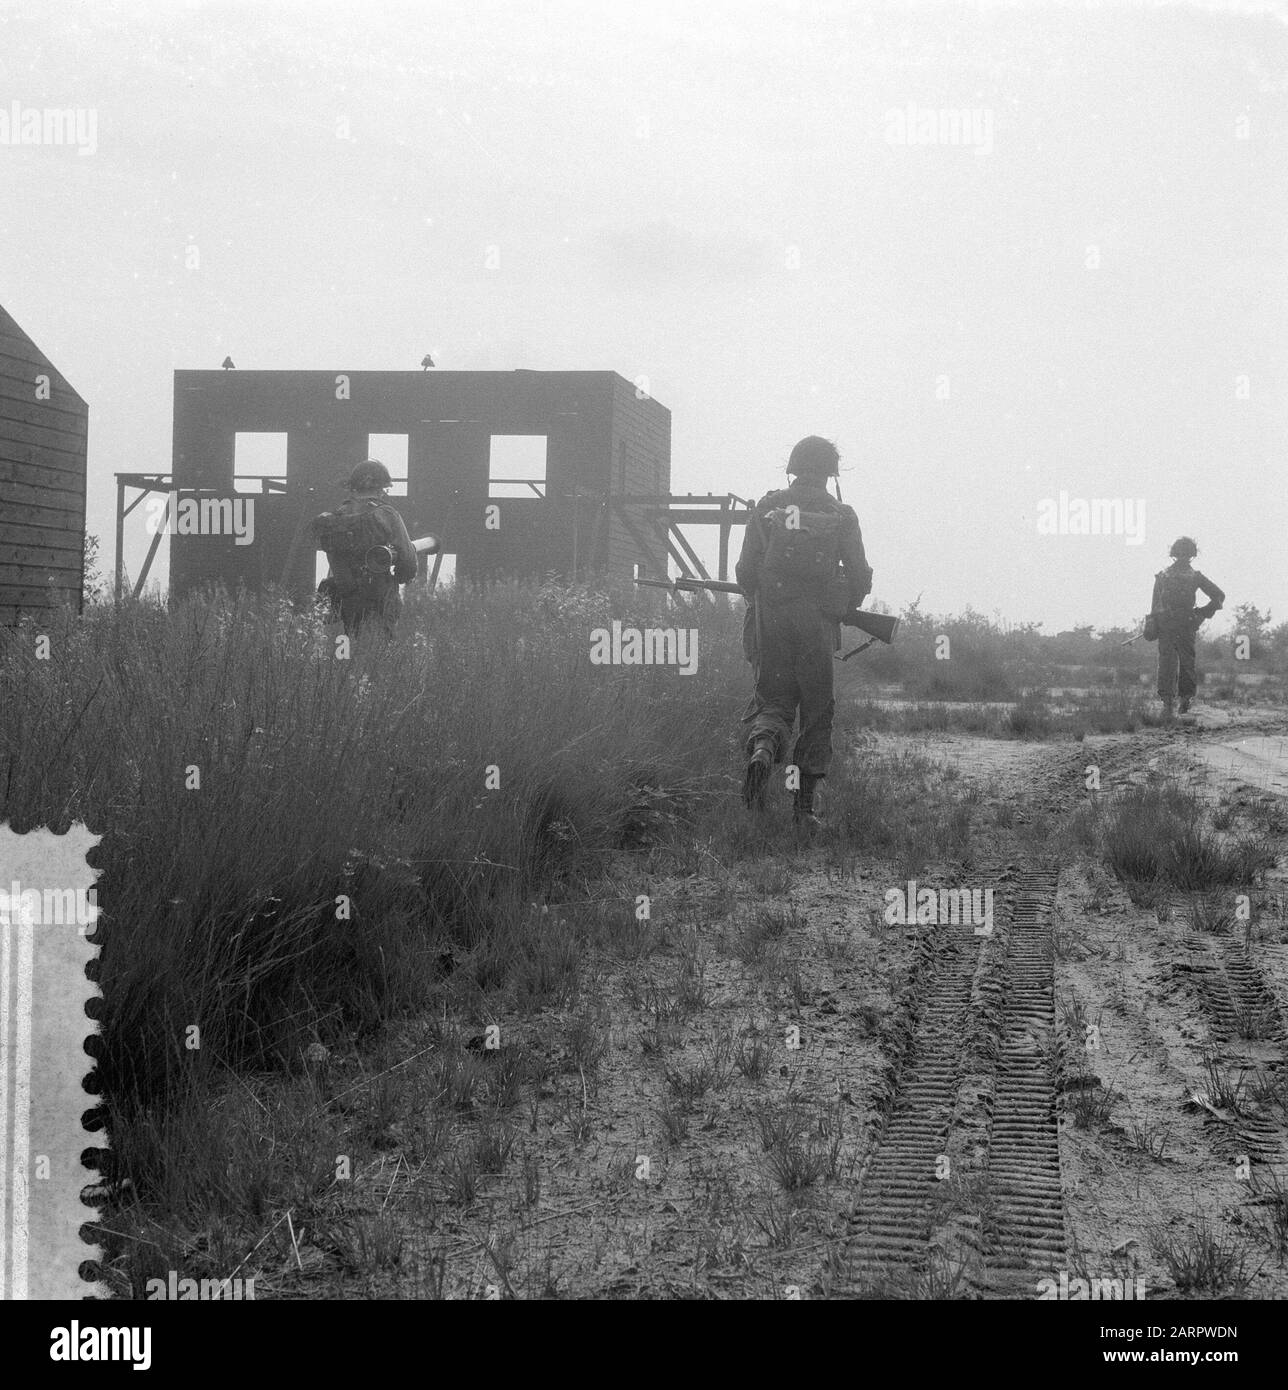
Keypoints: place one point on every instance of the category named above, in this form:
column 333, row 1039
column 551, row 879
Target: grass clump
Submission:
column 1202, row 1260
column 1158, row 836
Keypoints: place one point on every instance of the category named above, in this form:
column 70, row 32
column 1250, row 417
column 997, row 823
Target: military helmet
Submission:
column 1183, row 548
column 815, row 456
column 368, row 476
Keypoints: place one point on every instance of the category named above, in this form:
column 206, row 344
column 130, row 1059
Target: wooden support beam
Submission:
column 148, row 490
column 120, row 537
column 645, row 547
column 152, row 551
column 699, row 567
column 601, row 537
column 688, row 516
column 713, row 500
column 147, row 483
column 679, row 559
column 296, row 537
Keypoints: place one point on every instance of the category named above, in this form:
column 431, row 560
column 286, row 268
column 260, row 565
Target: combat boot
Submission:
column 805, row 804
column 756, row 779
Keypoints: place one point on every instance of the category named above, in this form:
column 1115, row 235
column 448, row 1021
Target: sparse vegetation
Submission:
column 799, row 1148
column 1150, row 1137
column 1157, row 837
column 752, row 1056
column 711, row 1072
column 1090, row 1103
column 1269, row 1218
column 1256, row 1019
column 1033, row 715
column 1226, row 1086
column 1212, row 912
column 1200, row 1259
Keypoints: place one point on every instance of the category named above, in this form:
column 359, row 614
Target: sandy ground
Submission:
column 649, row 1158
column 1259, row 761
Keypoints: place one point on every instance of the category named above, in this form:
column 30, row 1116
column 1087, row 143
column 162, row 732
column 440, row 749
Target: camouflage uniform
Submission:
column 1177, row 619
column 792, row 632
column 360, row 596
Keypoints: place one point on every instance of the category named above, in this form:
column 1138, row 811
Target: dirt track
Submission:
column 1139, row 1000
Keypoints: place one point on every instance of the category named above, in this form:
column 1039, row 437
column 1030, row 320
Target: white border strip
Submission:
column 22, row 1113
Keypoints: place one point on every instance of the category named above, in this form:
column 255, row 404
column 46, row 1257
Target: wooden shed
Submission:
column 43, row 438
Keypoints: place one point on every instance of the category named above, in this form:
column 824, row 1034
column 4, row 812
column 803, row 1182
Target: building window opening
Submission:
column 517, row 467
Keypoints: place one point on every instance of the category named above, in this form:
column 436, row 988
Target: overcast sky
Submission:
column 1082, row 288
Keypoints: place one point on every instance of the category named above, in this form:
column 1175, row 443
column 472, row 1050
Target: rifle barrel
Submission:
column 686, row 585
column 879, row 625
column 719, row 586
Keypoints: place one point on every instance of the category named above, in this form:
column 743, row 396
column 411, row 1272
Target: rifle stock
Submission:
column 881, row 626
column 1196, row 616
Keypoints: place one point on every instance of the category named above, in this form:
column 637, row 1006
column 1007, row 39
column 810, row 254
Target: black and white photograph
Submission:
column 643, row 657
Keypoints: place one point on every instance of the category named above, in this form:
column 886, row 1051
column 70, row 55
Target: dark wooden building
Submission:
column 43, row 438
column 516, row 472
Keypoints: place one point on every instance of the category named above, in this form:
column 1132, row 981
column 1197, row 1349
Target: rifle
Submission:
column 1140, row 634
column 880, row 627
column 1199, row 616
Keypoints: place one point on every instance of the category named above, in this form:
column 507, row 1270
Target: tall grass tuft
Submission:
column 297, row 845
column 1160, row 835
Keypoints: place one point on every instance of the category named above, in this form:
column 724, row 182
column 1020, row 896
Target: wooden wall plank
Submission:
column 61, row 403
column 44, row 556
column 60, row 430
column 70, row 460
column 15, row 343
column 25, row 514
column 49, row 597
column 19, row 345
column 68, row 444
column 34, row 576
column 60, row 499
column 36, row 475
column 23, row 533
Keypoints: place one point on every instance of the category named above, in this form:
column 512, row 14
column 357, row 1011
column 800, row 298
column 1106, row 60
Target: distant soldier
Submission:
column 802, row 568
column 368, row 550
column 1174, row 619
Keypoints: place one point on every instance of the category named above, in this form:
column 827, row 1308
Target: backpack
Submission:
column 1177, row 589
column 802, row 548
column 347, row 537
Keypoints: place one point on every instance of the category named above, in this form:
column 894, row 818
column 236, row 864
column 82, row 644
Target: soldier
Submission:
column 368, row 550
column 1175, row 620
column 802, row 567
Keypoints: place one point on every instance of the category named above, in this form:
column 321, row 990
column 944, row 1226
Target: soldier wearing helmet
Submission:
column 368, row 550
column 1176, row 620
column 802, row 567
